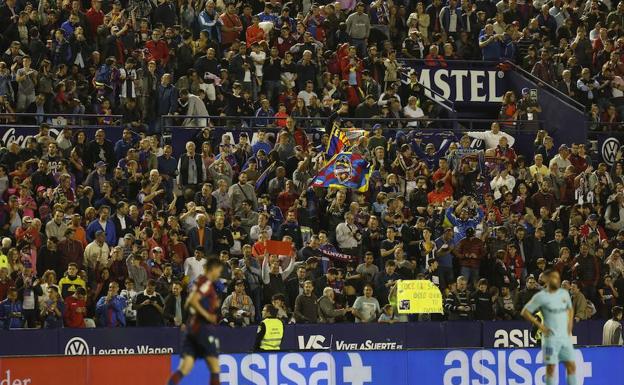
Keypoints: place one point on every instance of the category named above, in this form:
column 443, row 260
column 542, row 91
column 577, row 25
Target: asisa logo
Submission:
column 504, row 367
column 295, row 368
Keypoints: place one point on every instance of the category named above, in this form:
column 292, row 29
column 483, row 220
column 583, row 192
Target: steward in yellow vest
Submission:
column 270, row 330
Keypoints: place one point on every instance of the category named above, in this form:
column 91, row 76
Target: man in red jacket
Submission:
column 75, row 309
column 95, row 16
column 470, row 251
column 157, row 49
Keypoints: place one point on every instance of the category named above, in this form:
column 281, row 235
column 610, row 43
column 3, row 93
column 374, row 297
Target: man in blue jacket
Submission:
column 450, row 18
column 11, row 311
column 464, row 221
column 105, row 224
column 167, row 101
column 490, row 43
column 110, row 309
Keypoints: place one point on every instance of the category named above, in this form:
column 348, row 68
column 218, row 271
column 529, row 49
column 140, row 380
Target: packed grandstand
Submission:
column 316, row 164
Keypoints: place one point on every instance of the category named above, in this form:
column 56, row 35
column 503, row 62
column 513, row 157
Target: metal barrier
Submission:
column 461, row 124
column 178, row 135
column 563, row 97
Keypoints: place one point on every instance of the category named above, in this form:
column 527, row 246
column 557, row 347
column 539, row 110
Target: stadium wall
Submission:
column 336, row 337
column 443, row 366
column 439, row 367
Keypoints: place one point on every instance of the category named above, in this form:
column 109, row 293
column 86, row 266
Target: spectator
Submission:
column 306, row 310
column 129, row 295
column 174, row 312
column 358, row 29
column 612, row 329
column 137, row 272
column 483, row 301
column 238, row 308
column 470, row 251
column 327, row 307
column 75, row 309
column 366, row 308
column 56, row 227
column 110, row 309
column 201, row 235
column 525, row 295
column 71, row 281
column 583, row 309
column 11, row 315
column 384, row 280
column 506, row 305
column 103, row 224
column 53, row 308
column 459, row 304
column 490, row 43
column 348, row 235
column 96, row 253
column 149, row 306
column 387, row 315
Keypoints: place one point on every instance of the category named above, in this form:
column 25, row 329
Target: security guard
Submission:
column 536, row 334
column 270, row 330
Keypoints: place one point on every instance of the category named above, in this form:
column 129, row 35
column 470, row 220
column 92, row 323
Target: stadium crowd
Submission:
column 112, row 234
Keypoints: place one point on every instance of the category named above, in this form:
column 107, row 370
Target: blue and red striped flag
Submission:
column 337, row 141
column 344, row 170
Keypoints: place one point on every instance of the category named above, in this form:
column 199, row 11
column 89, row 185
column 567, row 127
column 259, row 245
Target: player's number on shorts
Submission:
column 214, row 341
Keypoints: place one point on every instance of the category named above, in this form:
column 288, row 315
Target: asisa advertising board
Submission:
column 595, row 366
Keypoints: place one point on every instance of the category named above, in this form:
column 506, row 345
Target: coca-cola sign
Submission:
column 13, row 135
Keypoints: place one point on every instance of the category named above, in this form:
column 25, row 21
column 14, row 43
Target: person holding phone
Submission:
column 149, row 305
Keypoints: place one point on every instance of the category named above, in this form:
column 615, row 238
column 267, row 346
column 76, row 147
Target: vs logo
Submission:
column 314, row 342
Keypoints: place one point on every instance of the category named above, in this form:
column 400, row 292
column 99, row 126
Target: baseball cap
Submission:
column 100, row 164
column 525, row 91
column 41, row 188
column 593, row 217
column 99, row 232
column 157, row 249
column 563, row 147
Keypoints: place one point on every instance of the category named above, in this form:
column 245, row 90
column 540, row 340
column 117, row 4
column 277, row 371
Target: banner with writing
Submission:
column 418, row 297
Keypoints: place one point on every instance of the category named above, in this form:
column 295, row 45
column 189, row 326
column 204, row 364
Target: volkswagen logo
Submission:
column 610, row 148
column 76, row 347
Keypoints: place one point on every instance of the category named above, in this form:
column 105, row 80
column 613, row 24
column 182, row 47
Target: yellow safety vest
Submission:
column 273, row 335
column 4, row 261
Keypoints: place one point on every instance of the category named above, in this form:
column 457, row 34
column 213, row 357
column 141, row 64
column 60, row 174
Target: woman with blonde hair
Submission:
column 420, row 20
